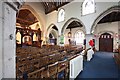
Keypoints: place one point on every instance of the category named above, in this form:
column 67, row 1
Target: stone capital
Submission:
column 15, row 4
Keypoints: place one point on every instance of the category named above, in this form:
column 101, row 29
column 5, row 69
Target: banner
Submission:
column 62, row 39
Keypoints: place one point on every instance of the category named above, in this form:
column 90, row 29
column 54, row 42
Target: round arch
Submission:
column 68, row 22
column 34, row 13
column 108, row 11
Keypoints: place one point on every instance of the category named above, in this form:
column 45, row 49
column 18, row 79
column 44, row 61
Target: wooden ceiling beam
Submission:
column 53, row 5
column 26, row 21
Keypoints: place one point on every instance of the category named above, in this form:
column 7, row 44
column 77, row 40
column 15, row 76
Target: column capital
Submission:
column 16, row 4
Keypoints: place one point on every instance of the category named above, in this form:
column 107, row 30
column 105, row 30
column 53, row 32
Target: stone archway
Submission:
column 72, row 21
column 50, row 29
column 28, row 7
column 68, row 22
column 102, row 15
column 54, row 38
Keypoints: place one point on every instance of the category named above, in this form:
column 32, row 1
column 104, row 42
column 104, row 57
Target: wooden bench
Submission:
column 117, row 58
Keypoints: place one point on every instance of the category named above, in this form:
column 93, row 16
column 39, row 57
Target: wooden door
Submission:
column 106, row 42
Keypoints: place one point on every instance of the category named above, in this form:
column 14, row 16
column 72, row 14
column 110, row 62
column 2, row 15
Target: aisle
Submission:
column 101, row 66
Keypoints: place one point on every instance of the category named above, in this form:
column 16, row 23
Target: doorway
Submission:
column 106, row 42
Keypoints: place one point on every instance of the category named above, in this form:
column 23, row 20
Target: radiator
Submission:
column 90, row 54
column 76, row 66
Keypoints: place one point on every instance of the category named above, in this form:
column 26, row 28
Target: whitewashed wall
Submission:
column 7, row 27
column 73, row 9
column 107, row 27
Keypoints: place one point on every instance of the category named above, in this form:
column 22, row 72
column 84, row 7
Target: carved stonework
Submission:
column 8, row 10
column 7, row 38
column 15, row 4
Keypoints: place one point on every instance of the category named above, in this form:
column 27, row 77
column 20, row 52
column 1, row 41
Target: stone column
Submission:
column 8, row 38
column 88, row 38
column 1, row 33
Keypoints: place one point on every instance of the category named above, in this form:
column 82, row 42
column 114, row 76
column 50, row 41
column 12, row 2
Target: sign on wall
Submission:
column 62, row 39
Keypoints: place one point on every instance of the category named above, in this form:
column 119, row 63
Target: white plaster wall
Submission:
column 107, row 27
column 73, row 9
column 51, row 18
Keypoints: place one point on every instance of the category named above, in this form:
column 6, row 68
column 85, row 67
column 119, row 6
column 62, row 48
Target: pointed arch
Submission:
column 102, row 15
column 49, row 29
column 28, row 7
column 52, row 30
column 68, row 22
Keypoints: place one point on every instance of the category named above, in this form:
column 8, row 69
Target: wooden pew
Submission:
column 33, row 59
column 52, row 71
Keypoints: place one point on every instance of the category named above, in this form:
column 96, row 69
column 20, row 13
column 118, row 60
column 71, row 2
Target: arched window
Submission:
column 61, row 15
column 35, row 37
column 88, row 7
column 18, row 38
column 79, row 37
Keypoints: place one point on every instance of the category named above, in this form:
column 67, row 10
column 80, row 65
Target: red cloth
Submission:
column 91, row 43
